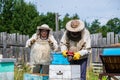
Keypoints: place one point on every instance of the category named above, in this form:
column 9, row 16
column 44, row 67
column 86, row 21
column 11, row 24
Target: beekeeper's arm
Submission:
column 87, row 49
column 54, row 42
column 63, row 45
column 30, row 41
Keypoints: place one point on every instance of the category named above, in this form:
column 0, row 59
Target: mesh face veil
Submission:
column 74, row 36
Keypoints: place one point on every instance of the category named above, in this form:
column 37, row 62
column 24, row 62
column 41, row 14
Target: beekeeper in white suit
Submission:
column 76, row 38
column 40, row 45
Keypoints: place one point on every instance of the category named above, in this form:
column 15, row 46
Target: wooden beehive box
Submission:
column 7, row 69
column 59, row 59
column 34, row 76
column 111, row 60
column 64, row 72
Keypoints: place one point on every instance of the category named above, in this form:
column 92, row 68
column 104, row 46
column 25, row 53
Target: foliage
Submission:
column 25, row 18
column 49, row 19
column 93, row 76
column 95, row 27
column 114, row 25
column 20, row 70
column 16, row 16
column 6, row 11
column 68, row 18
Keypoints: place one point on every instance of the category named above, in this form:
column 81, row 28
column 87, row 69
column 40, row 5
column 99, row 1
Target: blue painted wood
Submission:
column 34, row 77
column 7, row 67
column 58, row 58
column 111, row 51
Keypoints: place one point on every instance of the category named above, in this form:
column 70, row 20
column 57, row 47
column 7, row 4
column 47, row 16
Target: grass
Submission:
column 20, row 70
column 91, row 75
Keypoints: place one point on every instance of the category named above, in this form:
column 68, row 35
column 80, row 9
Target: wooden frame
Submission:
column 111, row 66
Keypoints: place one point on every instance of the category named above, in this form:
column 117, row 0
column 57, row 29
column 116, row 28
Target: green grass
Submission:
column 20, row 70
column 23, row 68
column 91, row 75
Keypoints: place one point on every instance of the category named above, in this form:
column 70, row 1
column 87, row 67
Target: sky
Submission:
column 87, row 10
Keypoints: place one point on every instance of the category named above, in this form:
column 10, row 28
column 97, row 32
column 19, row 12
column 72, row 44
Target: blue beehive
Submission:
column 7, row 68
column 111, row 51
column 28, row 76
column 111, row 60
column 58, row 58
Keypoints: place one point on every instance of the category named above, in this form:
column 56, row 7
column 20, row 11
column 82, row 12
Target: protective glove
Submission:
column 76, row 56
column 64, row 53
column 33, row 41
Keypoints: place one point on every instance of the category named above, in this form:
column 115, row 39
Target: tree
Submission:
column 114, row 25
column 87, row 25
column 104, row 29
column 75, row 16
column 49, row 19
column 25, row 18
column 68, row 18
column 95, row 27
column 6, row 13
column 18, row 16
column 65, row 20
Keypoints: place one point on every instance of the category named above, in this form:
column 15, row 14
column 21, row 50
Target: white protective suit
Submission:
column 83, row 46
column 40, row 49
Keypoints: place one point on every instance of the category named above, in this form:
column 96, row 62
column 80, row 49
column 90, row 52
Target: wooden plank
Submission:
column 95, row 39
column 4, row 40
column 112, row 39
column 18, row 38
column 92, row 39
column 27, row 53
column 97, row 55
column 119, row 38
column 100, row 39
column 1, row 51
column 16, row 52
column 97, row 67
column 9, row 38
column 13, row 38
column 0, row 38
column 104, row 42
column 23, row 39
column 94, row 54
column 108, row 39
column 9, row 52
column 116, row 38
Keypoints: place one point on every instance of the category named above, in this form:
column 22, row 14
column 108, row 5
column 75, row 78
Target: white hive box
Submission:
column 64, row 72
column 7, row 68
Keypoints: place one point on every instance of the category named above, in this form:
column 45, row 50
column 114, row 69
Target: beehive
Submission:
column 7, row 69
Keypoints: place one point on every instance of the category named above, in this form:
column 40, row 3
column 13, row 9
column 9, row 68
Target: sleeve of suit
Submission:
column 28, row 42
column 63, row 46
column 55, row 44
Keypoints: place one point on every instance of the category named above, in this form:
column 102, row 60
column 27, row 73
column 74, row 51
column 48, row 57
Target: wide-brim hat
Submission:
column 75, row 25
column 44, row 26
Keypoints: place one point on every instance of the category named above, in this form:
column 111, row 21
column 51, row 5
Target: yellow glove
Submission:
column 64, row 53
column 76, row 56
